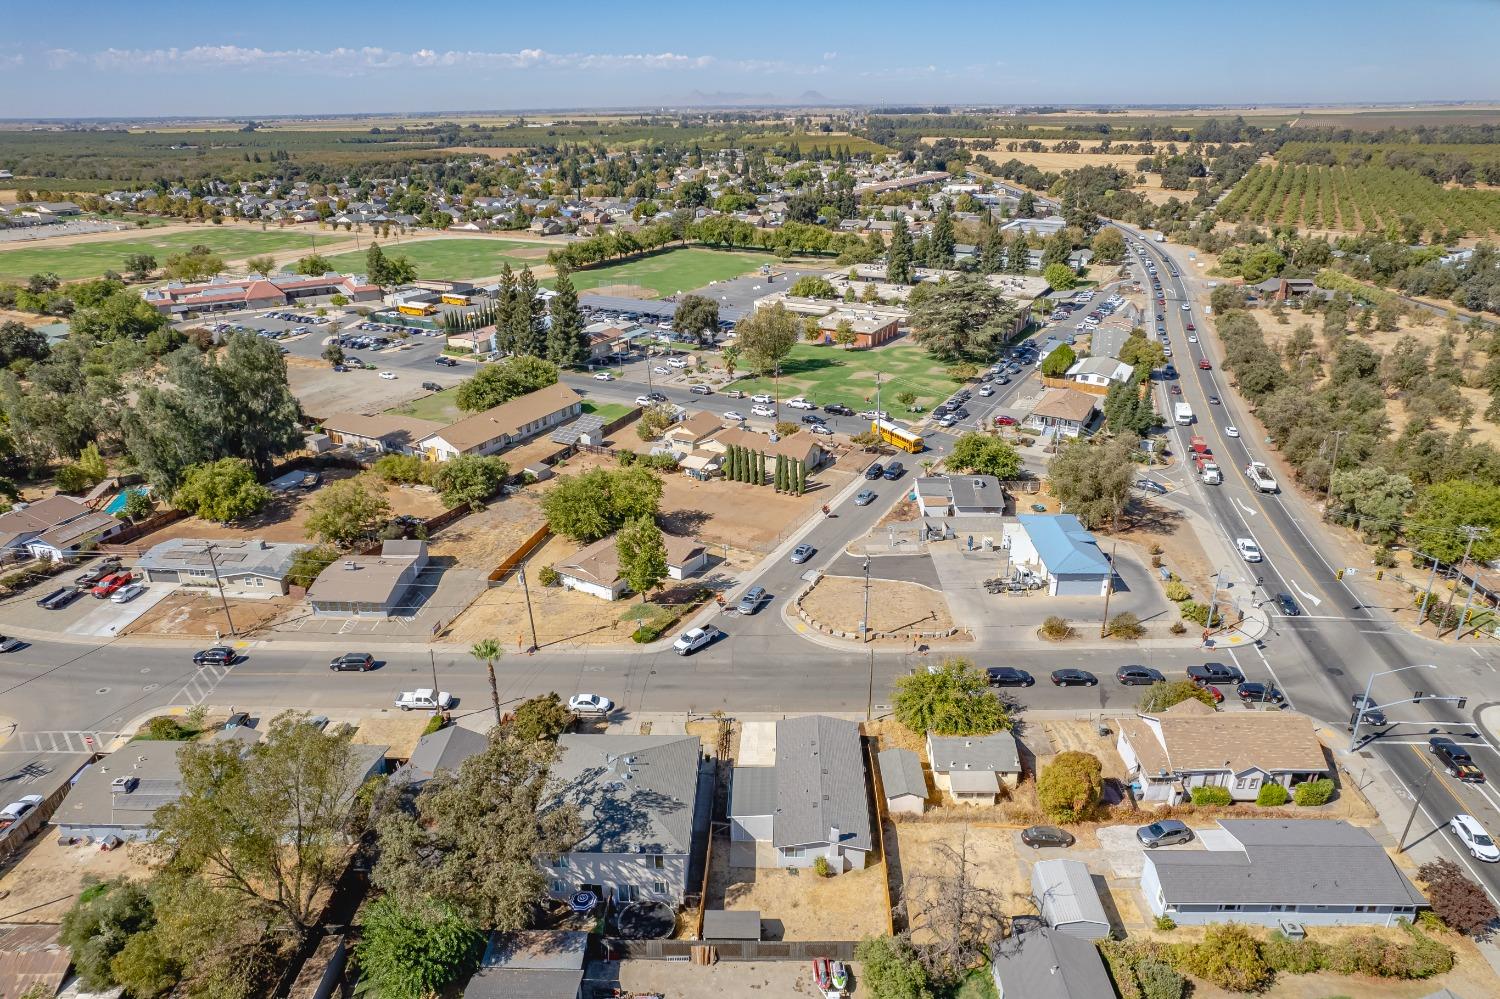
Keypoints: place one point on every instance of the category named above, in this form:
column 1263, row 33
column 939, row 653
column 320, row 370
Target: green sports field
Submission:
column 457, row 259
column 93, row 258
column 831, row 374
column 672, row 271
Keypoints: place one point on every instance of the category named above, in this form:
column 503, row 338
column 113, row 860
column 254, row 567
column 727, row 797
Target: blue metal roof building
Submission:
column 1067, row 552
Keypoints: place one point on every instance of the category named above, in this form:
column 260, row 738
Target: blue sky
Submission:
column 209, row 57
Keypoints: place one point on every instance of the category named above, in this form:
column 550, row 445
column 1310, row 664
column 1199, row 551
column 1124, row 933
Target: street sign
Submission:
column 583, row 901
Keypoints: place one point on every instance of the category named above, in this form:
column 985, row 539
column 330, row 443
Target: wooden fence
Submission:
column 150, row 525
column 522, row 551
column 731, row 950
column 887, row 835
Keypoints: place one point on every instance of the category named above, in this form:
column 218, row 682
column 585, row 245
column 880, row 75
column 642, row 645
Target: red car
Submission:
column 1218, row 694
column 1191, row 328
column 110, row 584
column 1176, row 390
column 1205, row 365
column 1005, row 421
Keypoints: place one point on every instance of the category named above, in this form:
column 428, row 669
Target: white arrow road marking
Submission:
column 1240, row 503
column 1305, row 595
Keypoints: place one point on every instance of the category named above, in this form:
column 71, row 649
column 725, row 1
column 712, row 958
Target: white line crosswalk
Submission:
column 67, row 741
column 197, row 690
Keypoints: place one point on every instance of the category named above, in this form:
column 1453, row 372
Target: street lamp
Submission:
column 864, row 624
column 1365, row 704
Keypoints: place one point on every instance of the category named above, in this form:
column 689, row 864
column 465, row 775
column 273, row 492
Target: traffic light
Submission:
column 1417, row 695
column 1339, row 575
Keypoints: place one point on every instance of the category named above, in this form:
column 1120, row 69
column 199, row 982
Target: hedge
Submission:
column 1272, row 795
column 1211, row 796
column 1313, row 792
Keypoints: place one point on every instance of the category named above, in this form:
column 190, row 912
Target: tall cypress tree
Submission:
column 898, row 258
column 526, row 317
column 505, row 340
column 567, row 343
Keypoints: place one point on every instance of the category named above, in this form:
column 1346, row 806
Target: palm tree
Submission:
column 487, row 651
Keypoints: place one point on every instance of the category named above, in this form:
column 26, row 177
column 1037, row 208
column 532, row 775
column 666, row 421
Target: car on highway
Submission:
column 590, row 704
column 1455, row 759
column 446, row 362
column 1132, row 676
column 389, row 376
column 1287, row 605
column 693, row 639
column 1186, row 307
column 219, row 655
column 820, row 430
column 734, row 416
column 1214, row 673
column 875, row 471
column 702, row 390
column 1259, row 693
column 8, row 644
column 1190, row 328
column 1231, row 431
column 751, row 600
column 127, row 593
column 603, row 376
column 838, row 409
column 1008, row 676
column 1205, row 365
column 1071, row 677
column 1167, row 832
column 1192, row 338
column 1473, row 838
column 1175, row 390
column 864, row 497
column 802, row 553
column 1040, row 836
column 1248, row 549
column 1213, row 400
column 644, row 400
column 1373, row 715
column 18, row 809
column 358, row 662
column 986, row 391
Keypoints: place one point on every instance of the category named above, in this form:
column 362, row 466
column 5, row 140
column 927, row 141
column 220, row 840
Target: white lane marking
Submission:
column 1305, row 595
column 1442, row 829
column 1248, row 510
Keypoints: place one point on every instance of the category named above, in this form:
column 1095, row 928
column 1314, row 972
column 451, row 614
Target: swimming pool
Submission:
column 117, row 504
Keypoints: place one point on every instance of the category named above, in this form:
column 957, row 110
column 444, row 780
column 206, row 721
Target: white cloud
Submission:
column 359, row 61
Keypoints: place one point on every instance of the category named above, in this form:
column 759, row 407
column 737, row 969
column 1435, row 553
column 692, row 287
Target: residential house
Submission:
column 1269, row 871
column 253, row 568
column 505, row 425
column 638, row 800
column 595, row 569
column 369, row 585
column 959, row 495
column 56, row 528
column 33, row 960
column 1189, row 745
column 1063, row 550
column 1037, row 962
column 531, row 964
column 798, row 447
column 813, row 803
column 384, row 432
column 902, row 782
column 1048, row 226
column 1065, row 412
column 1100, row 372
column 443, row 751
column 973, row 768
column 688, row 435
column 1067, row 899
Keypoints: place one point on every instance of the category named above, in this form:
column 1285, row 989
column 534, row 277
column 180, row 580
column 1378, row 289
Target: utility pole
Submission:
column 214, row 563
column 433, row 660
column 1472, row 533
column 1332, row 467
column 1213, row 597
column 1431, row 579
column 1110, row 583
column 531, row 619
column 1415, row 804
column 864, row 622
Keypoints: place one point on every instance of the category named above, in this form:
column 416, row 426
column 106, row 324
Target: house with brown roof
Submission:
column 369, row 585
column 383, row 432
column 503, row 426
column 690, row 434
column 595, row 568
column 798, row 447
column 1066, row 412
column 1190, row 745
column 55, row 528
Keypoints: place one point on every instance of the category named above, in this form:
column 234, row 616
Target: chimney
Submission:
column 834, row 835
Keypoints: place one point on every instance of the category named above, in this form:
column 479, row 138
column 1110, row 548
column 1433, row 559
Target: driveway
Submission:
column 110, row 618
column 898, row 568
column 435, row 599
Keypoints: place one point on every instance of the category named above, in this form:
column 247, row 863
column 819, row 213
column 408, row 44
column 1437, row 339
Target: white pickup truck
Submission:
column 1260, row 477
column 424, row 698
column 1182, row 414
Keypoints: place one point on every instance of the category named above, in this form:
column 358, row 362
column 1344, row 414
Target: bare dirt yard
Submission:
column 849, row 906
column 201, row 614
column 989, row 849
column 839, row 602
column 324, row 392
column 484, row 539
column 43, row 881
column 726, row 980
column 285, row 518
column 625, row 291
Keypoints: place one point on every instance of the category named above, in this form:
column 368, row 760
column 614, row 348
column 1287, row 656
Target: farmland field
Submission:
column 828, row 374
column 87, row 259
column 1357, row 199
column 458, row 258
column 671, row 271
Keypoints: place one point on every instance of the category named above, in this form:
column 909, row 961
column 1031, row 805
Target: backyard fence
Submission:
column 521, row 553
column 731, row 950
column 153, row 523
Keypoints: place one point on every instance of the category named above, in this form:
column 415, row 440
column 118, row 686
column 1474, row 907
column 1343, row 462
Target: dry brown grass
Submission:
column 43, row 881
column 202, row 615
column 849, row 906
column 839, row 601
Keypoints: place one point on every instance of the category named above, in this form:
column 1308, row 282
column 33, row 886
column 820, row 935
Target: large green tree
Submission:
column 1436, row 524
column 19, row 342
column 221, row 491
column 469, row 480
column 984, row 455
column 504, row 381
column 642, row 553
column 954, row 699
column 348, row 510
column 1057, row 363
column 696, row 316
column 590, row 506
column 123, row 315
column 767, row 336
column 567, row 343
column 98, row 925
column 411, row 948
column 1092, row 479
column 963, row 320
column 899, row 255
column 1372, row 500
column 1068, row 788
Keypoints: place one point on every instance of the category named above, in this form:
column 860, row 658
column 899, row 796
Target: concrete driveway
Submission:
column 1123, row 853
column 106, row 617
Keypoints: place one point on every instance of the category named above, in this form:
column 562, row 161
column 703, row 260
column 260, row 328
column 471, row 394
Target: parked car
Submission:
column 802, row 553
column 219, row 655
column 389, row 376
column 8, row 644
column 1132, row 676
column 1455, row 759
column 1040, row 836
column 431, row 387
column 1005, row 421
column 603, row 376
column 893, row 471
column 766, row 411
column 104, row 567
column 1214, row 692
column 813, row 420
column 801, row 403
column 109, row 584
column 1215, row 673
column 751, row 600
column 644, row 400
column 734, row 416
column 18, row 809
column 1167, row 832
column 701, row 389
column 820, row 430
column 1472, row 837
column 424, row 698
column 693, row 639
column 585, row 704
column 864, row 497
column 838, row 409
column 1073, row 678
column 1260, row 693
column 1009, row 676
column 764, row 398
column 127, row 593
column 356, row 661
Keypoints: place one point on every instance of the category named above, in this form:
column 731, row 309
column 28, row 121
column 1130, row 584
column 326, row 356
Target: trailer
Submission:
column 897, row 436
column 1198, row 445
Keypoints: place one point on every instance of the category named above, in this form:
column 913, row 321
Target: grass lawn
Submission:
column 91, row 259
column 977, row 984
column 829, row 374
column 609, row 412
column 669, row 272
column 440, row 406
column 459, row 259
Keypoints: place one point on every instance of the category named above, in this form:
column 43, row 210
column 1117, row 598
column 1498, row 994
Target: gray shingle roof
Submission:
column 996, row 753
column 1289, row 862
column 635, row 793
column 1041, row 963
column 753, row 791
column 901, row 773
column 443, row 750
column 820, row 783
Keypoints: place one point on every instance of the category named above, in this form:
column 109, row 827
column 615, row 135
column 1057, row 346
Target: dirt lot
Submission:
column 202, row 614
column 285, row 517
column 482, row 540
column 625, row 291
column 726, row 980
column 43, row 882
column 847, row 907
column 324, row 392
column 839, row 602
column 990, row 850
